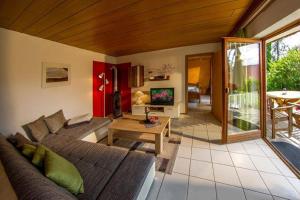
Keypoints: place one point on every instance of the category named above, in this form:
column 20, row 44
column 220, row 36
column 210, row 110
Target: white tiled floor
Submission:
column 207, row 170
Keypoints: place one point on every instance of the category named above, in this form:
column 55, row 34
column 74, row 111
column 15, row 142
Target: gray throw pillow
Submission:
column 55, row 121
column 38, row 129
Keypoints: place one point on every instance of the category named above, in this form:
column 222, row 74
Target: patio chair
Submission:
column 282, row 113
column 296, row 113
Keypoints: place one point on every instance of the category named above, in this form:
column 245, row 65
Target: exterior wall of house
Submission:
column 22, row 99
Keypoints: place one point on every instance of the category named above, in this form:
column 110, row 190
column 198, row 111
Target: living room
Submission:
column 106, row 94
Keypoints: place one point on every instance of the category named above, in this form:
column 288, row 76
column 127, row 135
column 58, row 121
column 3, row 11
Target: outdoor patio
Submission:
column 283, row 135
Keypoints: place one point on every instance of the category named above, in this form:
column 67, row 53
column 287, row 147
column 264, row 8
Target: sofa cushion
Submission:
column 62, row 172
column 80, row 132
column 28, row 150
column 26, row 179
column 95, row 162
column 79, row 120
column 39, row 155
column 55, row 121
column 38, row 129
column 127, row 181
column 19, row 140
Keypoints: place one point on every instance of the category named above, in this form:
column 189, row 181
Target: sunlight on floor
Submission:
column 204, row 169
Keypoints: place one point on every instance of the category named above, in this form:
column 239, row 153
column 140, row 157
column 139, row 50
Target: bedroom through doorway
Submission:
column 199, row 90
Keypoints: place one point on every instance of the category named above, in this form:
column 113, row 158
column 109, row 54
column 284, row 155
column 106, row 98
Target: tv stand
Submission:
column 172, row 111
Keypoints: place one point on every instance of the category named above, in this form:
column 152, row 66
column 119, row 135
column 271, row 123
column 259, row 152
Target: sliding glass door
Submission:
column 242, row 89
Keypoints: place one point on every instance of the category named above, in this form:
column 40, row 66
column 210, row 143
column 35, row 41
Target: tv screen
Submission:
column 162, row 96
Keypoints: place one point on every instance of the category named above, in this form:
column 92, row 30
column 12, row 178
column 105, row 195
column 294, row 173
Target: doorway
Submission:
column 198, row 81
column 242, row 116
column 282, row 72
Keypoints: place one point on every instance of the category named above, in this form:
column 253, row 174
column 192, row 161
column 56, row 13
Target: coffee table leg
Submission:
column 158, row 143
column 110, row 137
column 169, row 128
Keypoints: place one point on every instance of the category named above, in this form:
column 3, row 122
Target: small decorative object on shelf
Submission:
column 160, row 73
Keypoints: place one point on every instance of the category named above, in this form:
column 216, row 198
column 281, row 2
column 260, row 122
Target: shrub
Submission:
column 285, row 72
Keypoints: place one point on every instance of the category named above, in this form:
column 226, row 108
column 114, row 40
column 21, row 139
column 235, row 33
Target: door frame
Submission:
column 247, row 135
column 186, row 76
column 264, row 66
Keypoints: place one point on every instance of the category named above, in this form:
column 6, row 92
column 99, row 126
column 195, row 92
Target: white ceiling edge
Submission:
column 279, row 24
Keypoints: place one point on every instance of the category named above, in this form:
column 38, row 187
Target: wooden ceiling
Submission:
column 122, row 27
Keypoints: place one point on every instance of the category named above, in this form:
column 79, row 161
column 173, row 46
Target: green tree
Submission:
column 285, row 72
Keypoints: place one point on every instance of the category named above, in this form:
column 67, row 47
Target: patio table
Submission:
column 284, row 97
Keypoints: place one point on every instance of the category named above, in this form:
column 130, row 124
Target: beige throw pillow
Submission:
column 55, row 121
column 38, row 129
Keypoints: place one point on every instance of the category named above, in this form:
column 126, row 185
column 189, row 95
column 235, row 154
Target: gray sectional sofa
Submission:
column 109, row 173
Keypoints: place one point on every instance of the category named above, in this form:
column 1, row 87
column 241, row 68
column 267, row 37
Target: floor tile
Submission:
column 199, row 143
column 249, row 142
column 202, row 134
column 212, row 136
column 184, row 151
column 251, row 180
column 201, row 188
column 189, row 132
column 279, row 186
column 295, row 182
column 268, row 151
column 242, row 160
column 260, row 142
column 185, row 141
column 182, row 165
column 174, row 187
column 284, row 170
column 226, row 192
column 253, row 149
column 202, row 169
column 155, row 187
column 226, row 174
column 221, row 157
column 220, row 147
column 201, row 154
column 236, row 148
column 264, row 164
column 251, row 195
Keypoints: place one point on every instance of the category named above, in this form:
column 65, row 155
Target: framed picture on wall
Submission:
column 55, row 74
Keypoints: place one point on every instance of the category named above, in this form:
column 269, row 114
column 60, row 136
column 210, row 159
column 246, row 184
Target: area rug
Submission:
column 164, row 162
column 291, row 152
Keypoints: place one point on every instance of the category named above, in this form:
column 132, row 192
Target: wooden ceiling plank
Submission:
column 109, row 10
column 126, row 26
column 33, row 13
column 61, row 12
column 160, row 32
column 132, row 19
column 10, row 11
column 193, row 35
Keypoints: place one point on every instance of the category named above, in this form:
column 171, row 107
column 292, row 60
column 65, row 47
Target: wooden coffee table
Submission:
column 132, row 127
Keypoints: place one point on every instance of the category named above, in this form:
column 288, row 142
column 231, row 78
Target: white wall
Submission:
column 21, row 97
column 175, row 57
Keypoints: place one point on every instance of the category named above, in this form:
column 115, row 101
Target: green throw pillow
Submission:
column 28, row 150
column 38, row 157
column 63, row 172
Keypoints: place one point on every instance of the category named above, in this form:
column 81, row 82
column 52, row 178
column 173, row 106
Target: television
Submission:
column 162, row 96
